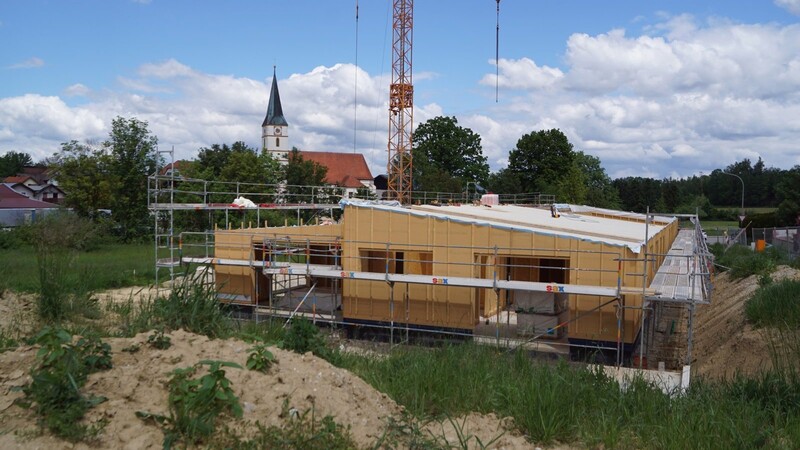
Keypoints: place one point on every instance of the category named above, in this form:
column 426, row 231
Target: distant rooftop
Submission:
column 344, row 169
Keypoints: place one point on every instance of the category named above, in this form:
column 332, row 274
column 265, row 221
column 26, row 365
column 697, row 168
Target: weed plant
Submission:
column 190, row 305
column 159, row 341
column 61, row 370
column 775, row 305
column 300, row 431
column 303, row 336
column 196, row 403
column 744, row 262
column 260, row 359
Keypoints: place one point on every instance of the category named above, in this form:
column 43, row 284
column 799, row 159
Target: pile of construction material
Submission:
column 539, row 313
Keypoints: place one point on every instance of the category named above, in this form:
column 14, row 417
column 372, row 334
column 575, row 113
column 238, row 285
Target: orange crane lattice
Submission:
column 401, row 103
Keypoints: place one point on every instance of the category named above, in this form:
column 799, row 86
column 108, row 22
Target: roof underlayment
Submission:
column 574, row 223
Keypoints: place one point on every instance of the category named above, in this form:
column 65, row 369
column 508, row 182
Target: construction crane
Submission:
column 401, row 103
column 401, row 99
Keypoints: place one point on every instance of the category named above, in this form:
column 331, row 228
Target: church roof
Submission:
column 344, row 169
column 274, row 109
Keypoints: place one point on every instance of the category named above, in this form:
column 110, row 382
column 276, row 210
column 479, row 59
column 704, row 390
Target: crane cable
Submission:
column 355, row 88
column 497, row 57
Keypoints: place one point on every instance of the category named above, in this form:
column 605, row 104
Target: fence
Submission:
column 787, row 239
column 15, row 217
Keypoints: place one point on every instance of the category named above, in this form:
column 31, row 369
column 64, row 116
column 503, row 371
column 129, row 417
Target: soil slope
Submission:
column 724, row 343
column 137, row 382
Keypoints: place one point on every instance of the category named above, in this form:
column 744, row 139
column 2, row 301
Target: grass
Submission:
column 568, row 403
column 110, row 266
column 721, row 224
column 775, row 305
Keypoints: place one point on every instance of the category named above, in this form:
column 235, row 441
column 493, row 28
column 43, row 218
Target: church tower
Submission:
column 275, row 129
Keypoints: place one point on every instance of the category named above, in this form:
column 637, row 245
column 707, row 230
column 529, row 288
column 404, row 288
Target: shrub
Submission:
column 10, row 238
column 61, row 370
column 303, row 336
column 195, row 403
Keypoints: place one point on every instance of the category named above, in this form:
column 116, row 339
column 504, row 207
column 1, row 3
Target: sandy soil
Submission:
column 724, row 343
column 137, row 382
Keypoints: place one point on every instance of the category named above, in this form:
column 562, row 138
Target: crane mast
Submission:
column 401, row 103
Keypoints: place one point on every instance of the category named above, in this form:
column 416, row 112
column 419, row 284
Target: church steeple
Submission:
column 274, row 109
column 275, row 129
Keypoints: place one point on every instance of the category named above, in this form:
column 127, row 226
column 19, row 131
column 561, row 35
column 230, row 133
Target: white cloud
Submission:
column 77, row 90
column 30, row 63
column 793, row 6
column 523, row 74
column 683, row 98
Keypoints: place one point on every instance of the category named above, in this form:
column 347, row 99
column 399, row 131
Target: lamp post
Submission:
column 740, row 179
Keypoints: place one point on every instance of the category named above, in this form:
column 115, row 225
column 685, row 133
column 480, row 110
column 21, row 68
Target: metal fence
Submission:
column 15, row 217
column 787, row 239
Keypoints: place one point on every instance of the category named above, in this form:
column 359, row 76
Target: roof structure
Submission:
column 14, row 179
column 344, row 169
column 617, row 231
column 179, row 165
column 10, row 199
column 274, row 108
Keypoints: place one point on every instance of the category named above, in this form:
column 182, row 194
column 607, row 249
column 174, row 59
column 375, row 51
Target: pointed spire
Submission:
column 274, row 109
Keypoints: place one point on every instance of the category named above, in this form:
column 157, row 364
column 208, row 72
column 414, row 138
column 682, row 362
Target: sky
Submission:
column 652, row 88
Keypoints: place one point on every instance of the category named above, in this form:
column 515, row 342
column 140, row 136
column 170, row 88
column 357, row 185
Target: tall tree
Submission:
column 302, row 176
column 542, row 158
column 12, row 163
column 447, row 156
column 788, row 212
column 505, row 181
column 83, row 171
column 133, row 157
column 597, row 187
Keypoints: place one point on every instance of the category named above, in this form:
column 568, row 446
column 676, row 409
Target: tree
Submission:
column 597, row 187
column 505, row 181
column 83, row 172
column 12, row 163
column 637, row 193
column 788, row 212
column 542, row 158
column 246, row 165
column 447, row 156
column 301, row 176
column 132, row 150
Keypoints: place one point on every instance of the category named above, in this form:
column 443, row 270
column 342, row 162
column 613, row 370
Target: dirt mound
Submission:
column 137, row 382
column 724, row 343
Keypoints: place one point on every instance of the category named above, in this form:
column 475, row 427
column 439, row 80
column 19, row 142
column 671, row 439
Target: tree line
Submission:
column 448, row 157
column 112, row 175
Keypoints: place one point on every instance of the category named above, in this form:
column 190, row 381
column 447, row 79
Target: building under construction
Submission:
column 567, row 276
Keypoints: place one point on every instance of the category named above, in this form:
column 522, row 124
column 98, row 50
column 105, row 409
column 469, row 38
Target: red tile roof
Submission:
column 10, row 199
column 17, row 179
column 344, row 169
column 179, row 165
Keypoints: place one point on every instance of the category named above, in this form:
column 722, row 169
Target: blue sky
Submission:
column 653, row 88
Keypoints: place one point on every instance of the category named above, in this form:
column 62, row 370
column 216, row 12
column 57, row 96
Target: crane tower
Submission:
column 401, row 103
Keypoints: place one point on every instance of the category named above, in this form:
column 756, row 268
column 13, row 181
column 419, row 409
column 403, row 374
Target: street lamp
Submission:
column 740, row 179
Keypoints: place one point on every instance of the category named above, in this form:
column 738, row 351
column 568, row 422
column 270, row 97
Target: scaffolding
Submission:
column 303, row 275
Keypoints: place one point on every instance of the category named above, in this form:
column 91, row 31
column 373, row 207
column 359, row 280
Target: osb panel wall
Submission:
column 455, row 248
